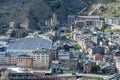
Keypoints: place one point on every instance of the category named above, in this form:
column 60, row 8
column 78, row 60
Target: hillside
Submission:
column 27, row 13
column 109, row 9
column 23, row 11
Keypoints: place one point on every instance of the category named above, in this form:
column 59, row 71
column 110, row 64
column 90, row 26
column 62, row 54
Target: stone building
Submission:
column 87, row 67
column 24, row 61
column 67, row 60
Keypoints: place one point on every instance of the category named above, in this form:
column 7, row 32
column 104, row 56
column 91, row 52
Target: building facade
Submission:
column 11, row 60
column 24, row 61
column 41, row 59
column 2, row 57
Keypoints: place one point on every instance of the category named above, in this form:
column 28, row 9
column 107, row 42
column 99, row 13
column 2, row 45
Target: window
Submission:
column 13, row 75
column 20, row 75
column 43, row 59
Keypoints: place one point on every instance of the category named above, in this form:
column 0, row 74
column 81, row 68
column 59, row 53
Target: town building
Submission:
column 112, row 20
column 68, row 60
column 108, row 68
column 97, row 57
column 41, row 59
column 45, row 25
column 107, row 58
column 24, row 61
column 87, row 67
column 95, row 50
column 11, row 60
column 116, row 53
column 53, row 55
column 85, row 43
column 117, row 64
column 2, row 57
column 27, row 45
column 84, row 21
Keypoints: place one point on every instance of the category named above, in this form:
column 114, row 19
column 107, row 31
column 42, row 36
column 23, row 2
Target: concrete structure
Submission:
column 2, row 57
column 68, row 60
column 27, row 45
column 11, row 60
column 40, row 59
column 82, row 21
column 112, row 20
column 53, row 55
column 63, row 55
column 24, row 61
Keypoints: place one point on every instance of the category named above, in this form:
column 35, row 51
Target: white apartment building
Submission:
column 2, row 57
column 63, row 55
column 41, row 59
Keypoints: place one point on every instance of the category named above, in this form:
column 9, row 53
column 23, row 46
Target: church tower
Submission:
column 54, row 20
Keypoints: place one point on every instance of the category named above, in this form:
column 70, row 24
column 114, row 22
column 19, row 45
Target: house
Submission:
column 107, row 58
column 73, row 64
column 68, row 60
column 87, row 67
column 114, row 47
column 112, row 20
column 117, row 64
column 108, row 68
column 95, row 50
column 44, row 24
column 104, row 41
column 92, row 28
column 75, row 36
column 107, row 50
column 85, row 43
column 116, row 53
column 63, row 58
column 97, row 57
column 74, row 56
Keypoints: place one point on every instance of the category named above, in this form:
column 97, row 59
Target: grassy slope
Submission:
column 106, row 9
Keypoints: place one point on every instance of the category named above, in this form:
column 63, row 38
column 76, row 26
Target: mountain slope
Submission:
column 21, row 10
column 28, row 12
column 106, row 9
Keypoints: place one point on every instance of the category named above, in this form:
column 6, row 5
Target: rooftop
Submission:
column 30, row 44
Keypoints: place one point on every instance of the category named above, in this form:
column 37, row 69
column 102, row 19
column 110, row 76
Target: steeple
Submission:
column 54, row 20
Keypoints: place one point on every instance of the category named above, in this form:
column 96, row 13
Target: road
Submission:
column 105, row 77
